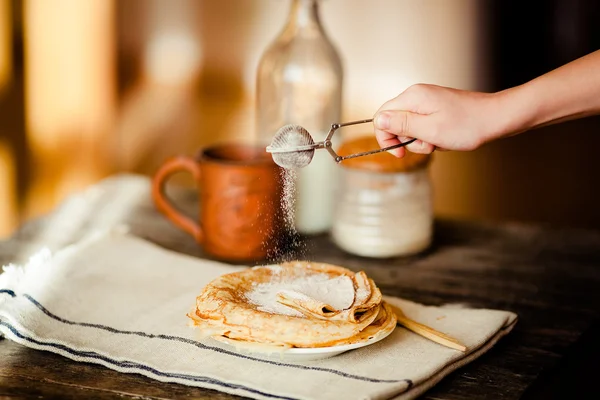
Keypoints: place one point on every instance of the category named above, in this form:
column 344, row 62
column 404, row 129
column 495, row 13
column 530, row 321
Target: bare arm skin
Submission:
column 452, row 119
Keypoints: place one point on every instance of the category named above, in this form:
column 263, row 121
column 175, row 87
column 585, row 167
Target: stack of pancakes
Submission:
column 296, row 304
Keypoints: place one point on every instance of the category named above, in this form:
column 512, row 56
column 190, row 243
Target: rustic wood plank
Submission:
column 25, row 372
column 549, row 277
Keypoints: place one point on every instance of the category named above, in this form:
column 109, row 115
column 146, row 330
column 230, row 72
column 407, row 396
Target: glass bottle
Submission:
column 299, row 81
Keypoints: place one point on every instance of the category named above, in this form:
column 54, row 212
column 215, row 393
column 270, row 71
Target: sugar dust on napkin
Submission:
column 338, row 292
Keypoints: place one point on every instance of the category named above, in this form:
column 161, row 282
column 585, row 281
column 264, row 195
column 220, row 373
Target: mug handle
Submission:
column 164, row 204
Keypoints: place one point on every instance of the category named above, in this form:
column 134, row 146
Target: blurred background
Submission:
column 90, row 88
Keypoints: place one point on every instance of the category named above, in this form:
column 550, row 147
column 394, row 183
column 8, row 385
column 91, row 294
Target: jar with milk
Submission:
column 384, row 207
column 299, row 81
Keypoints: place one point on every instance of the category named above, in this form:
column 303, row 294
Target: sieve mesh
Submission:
column 292, row 147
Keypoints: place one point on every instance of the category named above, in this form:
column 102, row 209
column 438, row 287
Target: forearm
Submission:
column 569, row 92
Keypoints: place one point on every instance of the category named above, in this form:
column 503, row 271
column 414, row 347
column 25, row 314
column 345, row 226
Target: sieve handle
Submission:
column 335, row 127
column 366, row 153
column 327, row 142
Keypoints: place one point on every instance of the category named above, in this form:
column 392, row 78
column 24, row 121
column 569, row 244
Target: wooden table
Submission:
column 549, row 277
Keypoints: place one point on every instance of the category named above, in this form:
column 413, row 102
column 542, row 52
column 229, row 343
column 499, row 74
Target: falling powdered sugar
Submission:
column 291, row 245
column 288, row 198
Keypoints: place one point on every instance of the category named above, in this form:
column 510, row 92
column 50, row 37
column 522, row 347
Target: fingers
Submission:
column 389, row 137
column 394, row 126
column 421, row 147
column 386, row 139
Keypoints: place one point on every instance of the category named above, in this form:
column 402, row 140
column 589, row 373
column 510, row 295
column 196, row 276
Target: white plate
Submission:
column 300, row 354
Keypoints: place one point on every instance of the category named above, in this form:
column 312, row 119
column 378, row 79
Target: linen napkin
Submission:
column 119, row 301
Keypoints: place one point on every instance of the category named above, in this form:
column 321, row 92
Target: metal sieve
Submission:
column 294, row 147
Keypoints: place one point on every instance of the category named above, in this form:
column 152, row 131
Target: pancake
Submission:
column 384, row 323
column 295, row 304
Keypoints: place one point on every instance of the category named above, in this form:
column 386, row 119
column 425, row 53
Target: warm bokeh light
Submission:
column 96, row 87
column 5, row 43
column 70, row 95
column 8, row 198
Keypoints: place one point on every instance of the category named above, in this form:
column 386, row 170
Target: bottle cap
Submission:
column 380, row 162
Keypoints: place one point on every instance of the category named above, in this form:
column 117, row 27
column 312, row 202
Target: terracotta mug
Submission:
column 240, row 201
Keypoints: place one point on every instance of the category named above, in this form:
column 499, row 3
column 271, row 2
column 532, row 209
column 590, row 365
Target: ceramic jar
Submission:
column 385, row 206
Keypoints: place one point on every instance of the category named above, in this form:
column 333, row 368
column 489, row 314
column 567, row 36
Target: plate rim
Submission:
column 338, row 348
column 309, row 350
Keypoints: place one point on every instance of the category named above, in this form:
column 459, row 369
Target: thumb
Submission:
column 395, row 121
column 407, row 125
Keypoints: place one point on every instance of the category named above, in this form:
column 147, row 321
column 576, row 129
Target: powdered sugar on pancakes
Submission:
column 338, row 292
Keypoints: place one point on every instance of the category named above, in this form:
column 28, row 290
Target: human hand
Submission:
column 438, row 117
